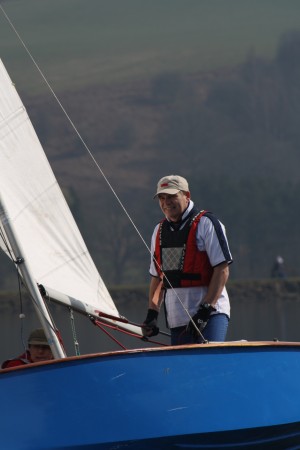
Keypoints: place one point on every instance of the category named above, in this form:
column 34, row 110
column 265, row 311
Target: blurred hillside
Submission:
column 231, row 129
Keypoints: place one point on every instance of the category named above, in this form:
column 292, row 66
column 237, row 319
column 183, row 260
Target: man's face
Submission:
column 173, row 206
column 40, row 353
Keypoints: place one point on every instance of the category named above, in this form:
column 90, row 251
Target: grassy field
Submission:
column 79, row 42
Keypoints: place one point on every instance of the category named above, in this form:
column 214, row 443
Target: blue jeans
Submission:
column 215, row 330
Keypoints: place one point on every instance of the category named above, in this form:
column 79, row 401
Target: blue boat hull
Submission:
column 234, row 396
column 270, row 438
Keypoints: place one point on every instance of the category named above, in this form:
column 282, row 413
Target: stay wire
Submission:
column 12, row 258
column 73, row 126
column 89, row 151
column 75, row 340
column 20, row 283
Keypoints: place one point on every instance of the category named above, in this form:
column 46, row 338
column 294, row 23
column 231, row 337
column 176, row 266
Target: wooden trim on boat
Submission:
column 202, row 347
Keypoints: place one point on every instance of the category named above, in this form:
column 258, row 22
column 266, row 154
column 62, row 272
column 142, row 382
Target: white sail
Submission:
column 39, row 213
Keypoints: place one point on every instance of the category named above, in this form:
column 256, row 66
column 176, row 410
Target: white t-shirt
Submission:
column 178, row 300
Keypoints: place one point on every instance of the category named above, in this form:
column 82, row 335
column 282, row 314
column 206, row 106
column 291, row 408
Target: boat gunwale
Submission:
column 203, row 347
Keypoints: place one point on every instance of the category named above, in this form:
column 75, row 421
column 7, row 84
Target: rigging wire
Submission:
column 93, row 158
column 16, row 261
column 74, row 126
column 75, row 340
column 21, row 314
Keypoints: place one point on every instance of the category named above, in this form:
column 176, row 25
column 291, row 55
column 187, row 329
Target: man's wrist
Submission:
column 208, row 306
column 152, row 315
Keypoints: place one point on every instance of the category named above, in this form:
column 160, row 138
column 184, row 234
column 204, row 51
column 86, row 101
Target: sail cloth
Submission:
column 43, row 223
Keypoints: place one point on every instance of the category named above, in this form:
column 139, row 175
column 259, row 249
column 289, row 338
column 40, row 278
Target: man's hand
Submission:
column 149, row 327
column 200, row 318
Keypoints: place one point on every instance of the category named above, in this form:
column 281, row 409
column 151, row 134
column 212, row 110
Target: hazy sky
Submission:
column 107, row 40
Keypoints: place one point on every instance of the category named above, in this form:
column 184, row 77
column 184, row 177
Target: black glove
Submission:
column 200, row 318
column 150, row 327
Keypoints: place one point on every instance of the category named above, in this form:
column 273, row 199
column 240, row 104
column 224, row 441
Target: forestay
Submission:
column 40, row 216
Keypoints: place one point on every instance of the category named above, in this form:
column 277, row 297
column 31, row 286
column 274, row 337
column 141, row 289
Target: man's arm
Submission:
column 217, row 283
column 155, row 297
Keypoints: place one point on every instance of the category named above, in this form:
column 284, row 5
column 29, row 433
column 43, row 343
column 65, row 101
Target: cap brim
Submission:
column 39, row 343
column 167, row 191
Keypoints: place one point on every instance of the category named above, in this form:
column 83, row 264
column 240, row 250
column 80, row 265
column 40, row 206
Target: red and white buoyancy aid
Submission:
column 178, row 261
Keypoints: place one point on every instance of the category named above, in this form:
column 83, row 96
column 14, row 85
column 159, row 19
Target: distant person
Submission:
column 277, row 270
column 38, row 350
column 190, row 258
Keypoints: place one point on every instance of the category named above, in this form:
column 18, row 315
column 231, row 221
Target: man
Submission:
column 38, row 350
column 190, row 259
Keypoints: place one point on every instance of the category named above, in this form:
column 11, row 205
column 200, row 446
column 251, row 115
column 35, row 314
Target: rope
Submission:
column 100, row 324
column 75, row 340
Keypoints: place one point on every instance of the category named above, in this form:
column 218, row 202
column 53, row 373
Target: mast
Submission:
column 24, row 268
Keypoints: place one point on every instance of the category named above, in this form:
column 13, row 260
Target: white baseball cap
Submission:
column 171, row 184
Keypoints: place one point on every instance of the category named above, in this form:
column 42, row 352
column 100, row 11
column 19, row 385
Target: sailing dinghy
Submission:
column 235, row 395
